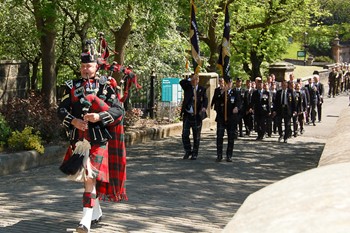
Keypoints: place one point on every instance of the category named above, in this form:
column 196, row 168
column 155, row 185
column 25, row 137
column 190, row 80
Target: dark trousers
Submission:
column 308, row 114
column 295, row 125
column 313, row 113
column 220, row 132
column 331, row 91
column 191, row 122
column 319, row 111
column 248, row 122
column 301, row 121
column 286, row 118
column 269, row 126
column 261, row 125
column 240, row 124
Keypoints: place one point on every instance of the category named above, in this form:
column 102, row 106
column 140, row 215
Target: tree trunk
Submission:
column 213, row 44
column 256, row 61
column 248, row 71
column 49, row 74
column 34, row 78
column 45, row 19
column 121, row 37
column 212, row 40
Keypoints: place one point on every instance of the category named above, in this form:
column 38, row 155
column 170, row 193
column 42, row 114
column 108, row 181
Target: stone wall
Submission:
column 14, row 76
column 340, row 52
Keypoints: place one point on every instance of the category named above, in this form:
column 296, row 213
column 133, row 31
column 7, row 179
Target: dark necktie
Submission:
column 283, row 94
column 195, row 100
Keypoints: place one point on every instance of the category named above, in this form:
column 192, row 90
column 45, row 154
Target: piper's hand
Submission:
column 92, row 117
column 235, row 110
column 80, row 124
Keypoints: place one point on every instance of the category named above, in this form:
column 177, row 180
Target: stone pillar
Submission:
column 210, row 81
column 281, row 70
column 14, row 77
column 336, row 50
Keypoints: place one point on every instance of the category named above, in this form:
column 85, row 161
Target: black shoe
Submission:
column 285, row 141
column 280, row 138
column 218, row 158
column 194, row 157
column 228, row 159
column 187, row 155
column 313, row 124
column 96, row 221
column 82, row 229
column 241, row 134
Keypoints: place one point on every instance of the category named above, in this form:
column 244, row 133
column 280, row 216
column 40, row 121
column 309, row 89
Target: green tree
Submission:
column 259, row 29
column 17, row 45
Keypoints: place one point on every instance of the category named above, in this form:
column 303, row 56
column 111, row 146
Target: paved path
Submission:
column 166, row 193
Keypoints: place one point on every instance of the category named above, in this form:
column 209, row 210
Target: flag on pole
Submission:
column 194, row 38
column 224, row 53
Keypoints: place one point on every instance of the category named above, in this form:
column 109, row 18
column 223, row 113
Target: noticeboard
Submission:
column 171, row 90
column 301, row 53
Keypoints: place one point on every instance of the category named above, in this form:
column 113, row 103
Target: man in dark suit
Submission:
column 240, row 94
column 193, row 111
column 262, row 107
column 247, row 111
column 227, row 107
column 320, row 90
column 272, row 124
column 301, row 105
column 331, row 82
column 284, row 108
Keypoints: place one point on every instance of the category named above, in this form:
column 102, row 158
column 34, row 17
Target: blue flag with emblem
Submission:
column 223, row 63
column 194, row 38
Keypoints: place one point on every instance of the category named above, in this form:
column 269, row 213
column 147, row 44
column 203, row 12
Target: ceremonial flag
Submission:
column 194, row 37
column 224, row 53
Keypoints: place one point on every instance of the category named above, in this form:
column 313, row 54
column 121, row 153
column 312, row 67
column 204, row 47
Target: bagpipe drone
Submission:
column 103, row 53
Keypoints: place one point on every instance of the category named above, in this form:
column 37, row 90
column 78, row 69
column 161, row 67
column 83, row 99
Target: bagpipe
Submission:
column 104, row 50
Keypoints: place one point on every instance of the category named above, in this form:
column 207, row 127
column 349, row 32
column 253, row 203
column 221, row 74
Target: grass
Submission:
column 300, row 71
column 292, row 50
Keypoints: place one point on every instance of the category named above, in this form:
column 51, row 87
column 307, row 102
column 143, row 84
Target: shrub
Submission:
column 323, row 59
column 5, row 132
column 31, row 111
column 26, row 140
column 132, row 116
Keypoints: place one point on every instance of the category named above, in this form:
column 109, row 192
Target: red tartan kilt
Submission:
column 99, row 162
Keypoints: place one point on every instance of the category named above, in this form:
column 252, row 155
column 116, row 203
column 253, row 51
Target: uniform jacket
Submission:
column 75, row 105
column 320, row 89
column 300, row 101
column 188, row 101
column 247, row 100
column 261, row 102
column 233, row 99
column 215, row 101
column 278, row 105
column 314, row 95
